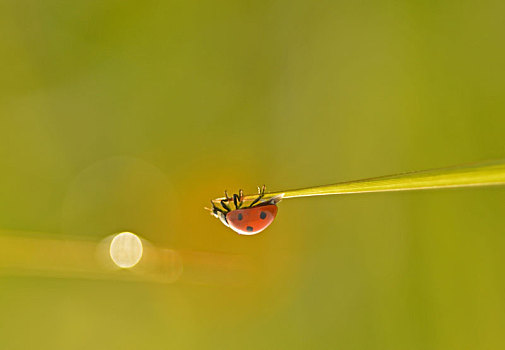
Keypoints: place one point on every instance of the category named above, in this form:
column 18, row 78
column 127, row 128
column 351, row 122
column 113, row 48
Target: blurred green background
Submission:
column 126, row 115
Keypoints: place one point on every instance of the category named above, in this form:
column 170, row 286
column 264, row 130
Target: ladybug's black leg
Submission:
column 214, row 208
column 227, row 200
column 255, row 201
column 225, row 206
column 261, row 193
column 235, row 201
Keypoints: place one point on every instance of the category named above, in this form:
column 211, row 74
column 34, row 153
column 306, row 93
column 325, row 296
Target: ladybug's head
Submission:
column 220, row 215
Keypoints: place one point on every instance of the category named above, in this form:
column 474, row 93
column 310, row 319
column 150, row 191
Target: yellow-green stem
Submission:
column 481, row 174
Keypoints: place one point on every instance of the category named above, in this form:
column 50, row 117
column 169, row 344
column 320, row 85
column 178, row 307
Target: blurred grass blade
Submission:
column 481, row 174
column 45, row 255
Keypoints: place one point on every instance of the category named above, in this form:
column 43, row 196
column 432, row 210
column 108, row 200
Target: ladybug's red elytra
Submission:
column 250, row 220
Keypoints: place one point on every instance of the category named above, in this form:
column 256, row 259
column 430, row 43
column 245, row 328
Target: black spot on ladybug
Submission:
column 263, row 215
column 249, row 228
column 240, row 217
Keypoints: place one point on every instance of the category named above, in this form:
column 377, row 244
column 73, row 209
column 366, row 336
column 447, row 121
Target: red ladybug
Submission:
column 250, row 220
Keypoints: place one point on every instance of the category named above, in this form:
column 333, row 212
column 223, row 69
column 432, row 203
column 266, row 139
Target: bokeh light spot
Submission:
column 126, row 249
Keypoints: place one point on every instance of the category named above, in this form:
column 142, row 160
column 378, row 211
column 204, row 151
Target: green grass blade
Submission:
column 482, row 174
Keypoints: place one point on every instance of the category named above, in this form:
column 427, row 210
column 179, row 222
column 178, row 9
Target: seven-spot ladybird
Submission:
column 250, row 220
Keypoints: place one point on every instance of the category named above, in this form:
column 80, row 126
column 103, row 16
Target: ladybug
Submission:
column 249, row 220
